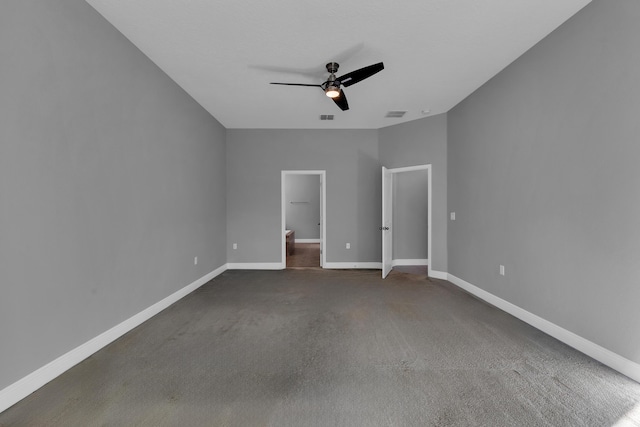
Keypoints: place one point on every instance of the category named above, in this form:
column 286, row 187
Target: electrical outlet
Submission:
column 195, row 261
column 502, row 270
column 235, row 246
column 453, row 216
column 348, row 245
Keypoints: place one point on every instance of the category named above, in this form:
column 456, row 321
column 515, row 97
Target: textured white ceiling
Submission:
column 436, row 52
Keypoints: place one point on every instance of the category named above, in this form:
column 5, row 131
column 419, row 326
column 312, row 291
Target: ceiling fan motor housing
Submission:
column 332, row 86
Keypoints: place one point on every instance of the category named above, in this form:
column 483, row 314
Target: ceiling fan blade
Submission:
column 361, row 74
column 315, row 73
column 341, row 101
column 345, row 55
column 295, row 84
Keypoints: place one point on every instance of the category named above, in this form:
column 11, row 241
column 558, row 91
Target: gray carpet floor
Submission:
column 333, row 348
column 304, row 255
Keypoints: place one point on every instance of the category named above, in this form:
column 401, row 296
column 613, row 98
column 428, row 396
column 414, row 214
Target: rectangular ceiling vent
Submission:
column 326, row 117
column 396, row 113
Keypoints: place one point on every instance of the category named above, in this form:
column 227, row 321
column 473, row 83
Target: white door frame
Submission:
column 388, row 198
column 323, row 212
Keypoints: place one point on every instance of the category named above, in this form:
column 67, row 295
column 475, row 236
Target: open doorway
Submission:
column 303, row 219
column 405, row 221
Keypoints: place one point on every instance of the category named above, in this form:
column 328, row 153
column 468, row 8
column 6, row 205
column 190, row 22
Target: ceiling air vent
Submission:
column 326, row 117
column 396, row 114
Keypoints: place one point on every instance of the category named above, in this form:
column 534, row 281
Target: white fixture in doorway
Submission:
column 323, row 211
column 387, row 215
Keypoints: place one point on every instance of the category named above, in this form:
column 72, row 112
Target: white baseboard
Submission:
column 255, row 266
column 350, row 265
column 17, row 391
column 421, row 261
column 601, row 354
column 307, row 240
column 439, row 275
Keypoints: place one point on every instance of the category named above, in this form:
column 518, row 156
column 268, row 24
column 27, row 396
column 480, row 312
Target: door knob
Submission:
column 384, row 228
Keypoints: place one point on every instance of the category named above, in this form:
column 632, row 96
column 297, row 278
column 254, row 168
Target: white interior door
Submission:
column 322, row 194
column 387, row 220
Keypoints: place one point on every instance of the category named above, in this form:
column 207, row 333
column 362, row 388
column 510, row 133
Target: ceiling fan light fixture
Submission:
column 332, row 91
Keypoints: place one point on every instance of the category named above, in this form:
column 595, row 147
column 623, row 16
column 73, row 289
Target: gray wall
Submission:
column 415, row 143
column 112, row 180
column 410, row 215
column 302, row 201
column 544, row 179
column 255, row 159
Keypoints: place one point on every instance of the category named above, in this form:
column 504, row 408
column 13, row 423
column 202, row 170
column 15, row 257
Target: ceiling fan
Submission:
column 333, row 86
